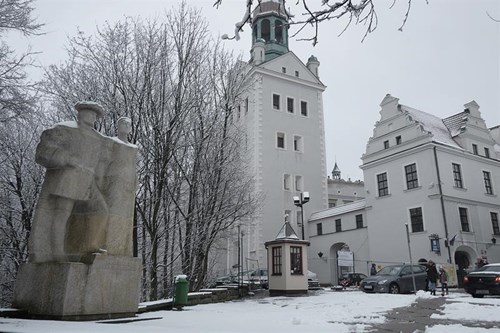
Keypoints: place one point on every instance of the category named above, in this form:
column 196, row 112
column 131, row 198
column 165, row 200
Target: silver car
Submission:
column 395, row 279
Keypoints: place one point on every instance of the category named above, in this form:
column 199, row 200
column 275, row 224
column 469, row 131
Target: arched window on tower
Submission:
column 278, row 31
column 265, row 30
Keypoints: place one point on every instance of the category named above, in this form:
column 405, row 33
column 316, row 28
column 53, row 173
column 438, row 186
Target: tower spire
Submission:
column 269, row 31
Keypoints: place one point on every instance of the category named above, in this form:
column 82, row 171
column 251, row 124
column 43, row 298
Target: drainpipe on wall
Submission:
column 442, row 203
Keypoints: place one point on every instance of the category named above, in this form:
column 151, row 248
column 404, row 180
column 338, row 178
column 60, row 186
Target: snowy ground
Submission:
column 327, row 311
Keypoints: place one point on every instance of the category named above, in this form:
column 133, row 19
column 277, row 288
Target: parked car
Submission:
column 395, row 279
column 259, row 276
column 349, row 279
column 483, row 281
column 312, row 280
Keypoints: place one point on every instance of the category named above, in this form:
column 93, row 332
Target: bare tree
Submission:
column 179, row 88
column 312, row 14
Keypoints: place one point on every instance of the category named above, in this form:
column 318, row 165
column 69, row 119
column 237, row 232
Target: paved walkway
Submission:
column 417, row 316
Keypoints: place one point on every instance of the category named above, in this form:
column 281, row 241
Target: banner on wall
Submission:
column 345, row 258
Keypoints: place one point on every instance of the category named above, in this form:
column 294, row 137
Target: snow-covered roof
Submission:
column 433, row 125
column 287, row 232
column 339, row 210
column 456, row 122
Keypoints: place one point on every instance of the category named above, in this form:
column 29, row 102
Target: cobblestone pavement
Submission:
column 417, row 316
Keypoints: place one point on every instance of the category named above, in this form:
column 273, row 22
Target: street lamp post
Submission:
column 299, row 201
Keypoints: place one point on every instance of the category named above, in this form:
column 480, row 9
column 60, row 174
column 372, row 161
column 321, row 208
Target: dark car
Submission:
column 483, row 281
column 349, row 279
column 395, row 279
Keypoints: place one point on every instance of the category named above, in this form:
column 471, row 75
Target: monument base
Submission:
column 103, row 287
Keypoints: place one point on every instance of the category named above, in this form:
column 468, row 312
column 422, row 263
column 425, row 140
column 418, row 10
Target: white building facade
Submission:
column 282, row 115
column 440, row 177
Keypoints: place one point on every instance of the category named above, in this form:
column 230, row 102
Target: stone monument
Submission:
column 80, row 248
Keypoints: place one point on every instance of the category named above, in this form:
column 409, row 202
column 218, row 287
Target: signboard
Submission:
column 345, row 258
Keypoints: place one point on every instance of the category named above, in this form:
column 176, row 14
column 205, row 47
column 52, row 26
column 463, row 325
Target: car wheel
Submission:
column 477, row 296
column 394, row 288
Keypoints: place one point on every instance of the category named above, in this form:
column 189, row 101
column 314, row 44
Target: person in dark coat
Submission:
column 373, row 270
column 432, row 276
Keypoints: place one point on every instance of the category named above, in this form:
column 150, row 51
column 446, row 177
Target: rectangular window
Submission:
column 417, row 221
column 276, row 260
column 486, row 152
column 359, row 221
column 319, row 229
column 386, row 144
column 286, row 182
column 303, row 108
column 298, row 183
column 296, row 73
column 290, row 104
column 283, row 70
column 457, row 175
column 276, row 101
column 398, row 140
column 411, row 176
column 474, row 149
column 487, row 182
column 383, row 187
column 338, row 225
column 464, row 219
column 296, row 259
column 297, row 143
column 494, row 223
column 280, row 140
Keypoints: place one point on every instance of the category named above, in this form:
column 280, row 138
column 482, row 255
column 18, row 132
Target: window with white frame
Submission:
column 487, row 182
column 494, row 223
column 383, row 187
column 304, row 109
column 297, row 143
column 411, row 176
column 290, row 104
column 457, row 175
column 280, row 140
column 464, row 219
column 417, row 219
column 286, row 182
column 298, row 183
column 276, row 101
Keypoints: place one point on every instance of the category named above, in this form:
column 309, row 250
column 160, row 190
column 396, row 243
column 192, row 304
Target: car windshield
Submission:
column 489, row 269
column 390, row 270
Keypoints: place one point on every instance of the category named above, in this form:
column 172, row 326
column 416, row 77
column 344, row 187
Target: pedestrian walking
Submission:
column 443, row 279
column 432, row 276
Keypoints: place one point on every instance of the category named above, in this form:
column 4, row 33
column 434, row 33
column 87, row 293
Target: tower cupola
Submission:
column 336, row 172
column 270, row 27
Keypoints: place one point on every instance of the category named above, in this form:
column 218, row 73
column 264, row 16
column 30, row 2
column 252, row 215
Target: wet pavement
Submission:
column 416, row 317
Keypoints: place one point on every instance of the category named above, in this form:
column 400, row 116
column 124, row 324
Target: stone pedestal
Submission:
column 101, row 286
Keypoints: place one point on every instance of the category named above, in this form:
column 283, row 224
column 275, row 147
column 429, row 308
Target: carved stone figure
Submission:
column 80, row 264
column 70, row 151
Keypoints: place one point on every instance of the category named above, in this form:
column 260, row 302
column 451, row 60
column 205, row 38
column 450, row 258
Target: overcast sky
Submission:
column 447, row 55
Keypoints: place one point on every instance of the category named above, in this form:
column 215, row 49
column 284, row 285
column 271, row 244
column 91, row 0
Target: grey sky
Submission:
column 447, row 55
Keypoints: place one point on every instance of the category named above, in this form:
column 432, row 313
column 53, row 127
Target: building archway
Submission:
column 463, row 261
column 334, row 268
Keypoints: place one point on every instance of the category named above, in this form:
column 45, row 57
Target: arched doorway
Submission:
column 463, row 260
column 334, row 268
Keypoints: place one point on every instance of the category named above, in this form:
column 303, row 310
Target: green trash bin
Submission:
column 181, row 291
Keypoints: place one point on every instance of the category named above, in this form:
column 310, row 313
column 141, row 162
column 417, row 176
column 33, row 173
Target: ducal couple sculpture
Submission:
column 80, row 263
